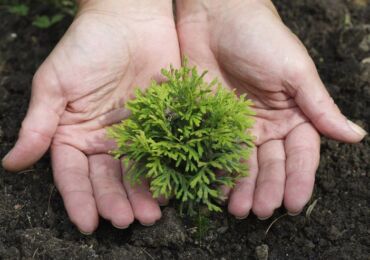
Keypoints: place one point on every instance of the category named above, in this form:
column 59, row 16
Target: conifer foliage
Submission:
column 186, row 139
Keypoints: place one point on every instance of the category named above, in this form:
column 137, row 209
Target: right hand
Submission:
column 80, row 89
column 247, row 46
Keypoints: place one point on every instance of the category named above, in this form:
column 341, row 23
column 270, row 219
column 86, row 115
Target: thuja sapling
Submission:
column 187, row 137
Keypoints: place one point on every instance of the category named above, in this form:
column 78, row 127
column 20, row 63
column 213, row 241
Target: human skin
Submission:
column 110, row 48
column 246, row 45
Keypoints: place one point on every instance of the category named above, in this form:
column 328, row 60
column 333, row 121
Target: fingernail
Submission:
column 222, row 200
column 163, row 204
column 85, row 233
column 241, row 218
column 120, row 227
column 264, row 218
column 147, row 225
column 358, row 129
column 294, row 213
column 5, row 157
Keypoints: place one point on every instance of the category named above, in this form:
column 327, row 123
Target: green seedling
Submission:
column 61, row 8
column 187, row 137
column 45, row 21
column 19, row 9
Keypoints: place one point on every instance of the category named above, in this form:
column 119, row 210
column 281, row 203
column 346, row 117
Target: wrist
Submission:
column 203, row 9
column 127, row 7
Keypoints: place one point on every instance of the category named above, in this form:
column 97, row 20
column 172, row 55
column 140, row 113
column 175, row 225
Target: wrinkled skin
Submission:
column 246, row 45
column 79, row 90
column 113, row 46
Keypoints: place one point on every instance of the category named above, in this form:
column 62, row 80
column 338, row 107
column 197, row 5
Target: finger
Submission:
column 110, row 196
column 302, row 148
column 241, row 198
column 71, row 177
column 270, row 182
column 224, row 190
column 162, row 201
column 224, row 194
column 38, row 127
column 315, row 101
column 145, row 207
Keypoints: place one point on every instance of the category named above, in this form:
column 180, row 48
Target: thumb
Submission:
column 316, row 103
column 38, row 127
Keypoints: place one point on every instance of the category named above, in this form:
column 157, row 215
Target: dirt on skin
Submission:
column 33, row 221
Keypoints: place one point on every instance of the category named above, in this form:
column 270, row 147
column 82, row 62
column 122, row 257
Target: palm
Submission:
column 102, row 70
column 263, row 67
column 258, row 56
column 97, row 71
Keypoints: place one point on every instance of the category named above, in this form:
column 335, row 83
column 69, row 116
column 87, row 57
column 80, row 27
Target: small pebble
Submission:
column 222, row 230
column 18, row 206
column 365, row 43
column 334, row 233
column 262, row 252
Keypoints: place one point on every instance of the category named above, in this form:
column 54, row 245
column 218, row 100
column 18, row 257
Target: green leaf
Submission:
column 20, row 9
column 56, row 18
column 44, row 21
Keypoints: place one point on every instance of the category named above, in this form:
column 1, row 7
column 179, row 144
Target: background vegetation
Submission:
column 42, row 14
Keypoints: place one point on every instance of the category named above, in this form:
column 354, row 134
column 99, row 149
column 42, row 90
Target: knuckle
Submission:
column 272, row 164
column 298, row 71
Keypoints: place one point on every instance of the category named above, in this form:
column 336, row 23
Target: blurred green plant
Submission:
column 19, row 9
column 45, row 21
column 67, row 7
column 60, row 8
column 202, row 226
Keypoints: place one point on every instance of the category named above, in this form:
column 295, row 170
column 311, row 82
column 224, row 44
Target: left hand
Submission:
column 247, row 46
column 110, row 48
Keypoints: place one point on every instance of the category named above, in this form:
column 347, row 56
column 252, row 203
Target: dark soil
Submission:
column 33, row 221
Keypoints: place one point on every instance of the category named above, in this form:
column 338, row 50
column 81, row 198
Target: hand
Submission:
column 109, row 49
column 246, row 45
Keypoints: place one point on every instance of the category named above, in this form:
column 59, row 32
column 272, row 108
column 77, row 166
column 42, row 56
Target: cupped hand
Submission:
column 247, row 46
column 110, row 48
